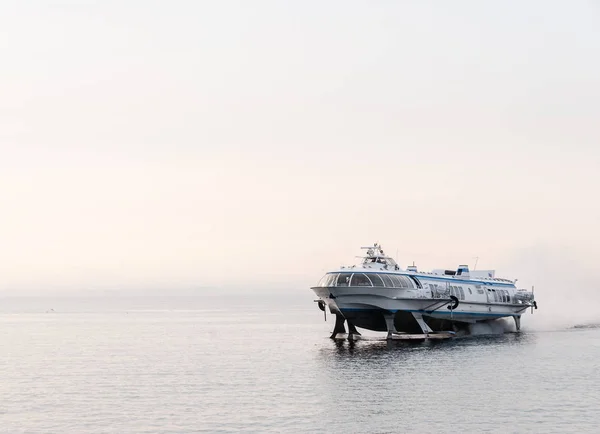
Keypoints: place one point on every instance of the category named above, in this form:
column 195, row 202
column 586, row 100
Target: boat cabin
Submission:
column 377, row 259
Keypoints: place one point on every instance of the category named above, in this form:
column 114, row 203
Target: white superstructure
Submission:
column 378, row 295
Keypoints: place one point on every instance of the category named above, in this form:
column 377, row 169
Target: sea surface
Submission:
column 266, row 364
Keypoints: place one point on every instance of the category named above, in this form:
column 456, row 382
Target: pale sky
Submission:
column 256, row 144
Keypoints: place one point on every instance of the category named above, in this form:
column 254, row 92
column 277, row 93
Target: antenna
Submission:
column 476, row 259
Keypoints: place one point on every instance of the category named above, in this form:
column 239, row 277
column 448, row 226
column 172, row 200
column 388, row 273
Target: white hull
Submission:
column 356, row 299
column 380, row 296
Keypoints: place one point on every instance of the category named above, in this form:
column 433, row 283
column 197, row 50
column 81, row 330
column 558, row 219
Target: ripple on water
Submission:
column 269, row 370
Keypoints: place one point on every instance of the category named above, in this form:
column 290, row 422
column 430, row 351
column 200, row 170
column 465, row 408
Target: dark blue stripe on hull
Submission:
column 359, row 309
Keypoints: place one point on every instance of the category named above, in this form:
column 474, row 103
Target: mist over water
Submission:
column 561, row 306
column 567, row 286
column 496, row 327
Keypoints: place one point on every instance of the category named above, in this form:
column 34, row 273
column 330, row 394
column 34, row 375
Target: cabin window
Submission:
column 388, row 282
column 395, row 280
column 408, row 283
column 323, row 280
column 344, row 279
column 398, row 282
column 332, row 279
column 415, row 280
column 470, row 292
column 328, row 280
column 376, row 279
column 359, row 279
column 457, row 292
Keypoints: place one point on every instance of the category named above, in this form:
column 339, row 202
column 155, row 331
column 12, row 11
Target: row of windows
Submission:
column 363, row 279
column 457, row 291
column 440, row 291
column 397, row 281
column 501, row 295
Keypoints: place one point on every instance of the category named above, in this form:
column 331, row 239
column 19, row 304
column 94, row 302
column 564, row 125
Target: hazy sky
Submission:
column 187, row 144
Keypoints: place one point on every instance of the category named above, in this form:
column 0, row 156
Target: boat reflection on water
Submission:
column 377, row 350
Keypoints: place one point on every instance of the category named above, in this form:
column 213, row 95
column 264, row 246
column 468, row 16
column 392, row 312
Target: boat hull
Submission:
column 368, row 308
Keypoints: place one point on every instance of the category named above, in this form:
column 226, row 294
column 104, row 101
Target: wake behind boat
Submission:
column 378, row 295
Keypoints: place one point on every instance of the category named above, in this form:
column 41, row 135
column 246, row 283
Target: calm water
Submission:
column 208, row 364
